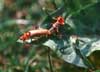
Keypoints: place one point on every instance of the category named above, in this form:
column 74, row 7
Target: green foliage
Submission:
column 97, row 71
column 81, row 18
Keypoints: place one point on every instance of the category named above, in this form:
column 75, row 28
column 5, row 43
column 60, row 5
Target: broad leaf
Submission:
column 65, row 50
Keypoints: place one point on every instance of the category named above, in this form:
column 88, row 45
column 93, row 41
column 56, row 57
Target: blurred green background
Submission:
column 19, row 16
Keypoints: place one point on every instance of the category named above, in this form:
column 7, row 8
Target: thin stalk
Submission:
column 27, row 60
column 49, row 60
column 84, row 58
column 67, row 16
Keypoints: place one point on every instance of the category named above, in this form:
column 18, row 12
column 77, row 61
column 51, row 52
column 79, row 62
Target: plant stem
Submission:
column 85, row 60
column 67, row 16
column 49, row 60
column 27, row 60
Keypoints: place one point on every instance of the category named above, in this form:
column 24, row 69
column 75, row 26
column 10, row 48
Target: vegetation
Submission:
column 82, row 19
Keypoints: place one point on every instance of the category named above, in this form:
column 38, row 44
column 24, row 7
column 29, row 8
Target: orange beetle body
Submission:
column 25, row 36
column 39, row 32
column 59, row 22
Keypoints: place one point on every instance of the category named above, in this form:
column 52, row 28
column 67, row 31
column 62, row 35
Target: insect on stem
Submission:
column 39, row 32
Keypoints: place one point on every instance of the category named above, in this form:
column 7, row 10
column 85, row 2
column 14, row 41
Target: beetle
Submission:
column 32, row 33
column 41, row 31
column 55, row 25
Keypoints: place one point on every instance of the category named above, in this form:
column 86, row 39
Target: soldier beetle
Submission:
column 39, row 32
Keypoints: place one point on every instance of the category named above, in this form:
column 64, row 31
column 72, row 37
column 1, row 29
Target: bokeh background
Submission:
column 19, row 16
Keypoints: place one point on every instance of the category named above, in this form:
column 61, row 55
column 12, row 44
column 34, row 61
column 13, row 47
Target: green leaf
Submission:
column 97, row 71
column 65, row 50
